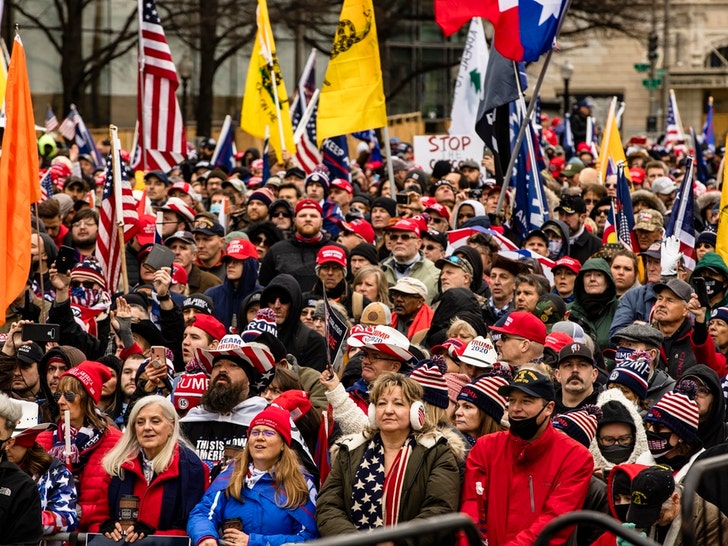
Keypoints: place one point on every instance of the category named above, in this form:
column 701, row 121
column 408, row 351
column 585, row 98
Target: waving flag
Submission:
column 307, row 150
column 708, row 133
column 524, row 29
column 609, row 235
column 568, row 138
column 51, row 121
column 611, row 152
column 673, row 125
column 74, row 129
column 721, row 240
column 370, row 137
column 265, row 103
column 680, row 226
column 702, row 168
column 623, row 215
column 46, row 186
column 161, row 137
column 224, row 154
column 352, row 95
column 469, row 86
column 336, row 157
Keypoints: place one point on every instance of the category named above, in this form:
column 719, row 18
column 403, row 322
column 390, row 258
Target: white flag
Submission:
column 469, row 90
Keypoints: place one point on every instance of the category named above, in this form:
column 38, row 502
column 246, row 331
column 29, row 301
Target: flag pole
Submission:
column 604, row 151
column 306, row 116
column 40, row 277
column 140, row 91
column 531, row 107
column 118, row 203
column 272, row 68
column 388, row 152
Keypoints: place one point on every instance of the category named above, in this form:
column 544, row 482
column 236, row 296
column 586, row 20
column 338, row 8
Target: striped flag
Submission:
column 74, row 129
column 108, row 247
column 307, row 150
column 46, row 186
column 673, row 125
column 162, row 131
column 708, row 133
column 680, row 225
column 51, row 121
column 624, row 217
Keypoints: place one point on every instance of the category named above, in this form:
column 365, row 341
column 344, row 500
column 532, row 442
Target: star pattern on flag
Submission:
column 150, row 13
column 367, row 499
column 549, row 8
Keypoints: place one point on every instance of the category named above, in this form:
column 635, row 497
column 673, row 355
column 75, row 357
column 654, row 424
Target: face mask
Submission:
column 621, row 511
column 555, row 247
column 659, row 443
column 526, row 428
column 616, row 454
column 622, row 354
column 711, row 287
column 86, row 297
column 216, row 208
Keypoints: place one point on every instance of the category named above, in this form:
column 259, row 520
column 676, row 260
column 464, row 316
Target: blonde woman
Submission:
column 265, row 499
column 371, row 282
column 153, row 463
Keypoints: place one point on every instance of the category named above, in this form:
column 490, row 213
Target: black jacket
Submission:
column 307, row 346
column 455, row 303
column 20, row 513
column 584, row 246
column 712, row 429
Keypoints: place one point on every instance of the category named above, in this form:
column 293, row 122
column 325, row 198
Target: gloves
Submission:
column 623, row 542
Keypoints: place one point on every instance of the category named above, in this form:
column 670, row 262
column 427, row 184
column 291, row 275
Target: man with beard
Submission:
column 20, row 359
column 84, row 230
column 541, row 467
column 576, row 373
column 239, row 373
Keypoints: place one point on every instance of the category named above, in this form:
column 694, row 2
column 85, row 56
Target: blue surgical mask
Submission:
column 555, row 247
column 216, row 208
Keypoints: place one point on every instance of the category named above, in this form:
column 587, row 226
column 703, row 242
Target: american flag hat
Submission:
column 384, row 339
column 258, row 360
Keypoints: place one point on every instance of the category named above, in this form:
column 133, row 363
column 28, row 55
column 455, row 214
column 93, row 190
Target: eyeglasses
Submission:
column 506, row 337
column 403, row 236
column 602, row 212
column 70, row 396
column 89, row 285
column 259, row 241
column 280, row 214
column 434, row 220
column 87, row 223
column 624, row 440
column 590, row 201
column 430, row 248
column 307, row 314
column 267, row 433
column 372, row 357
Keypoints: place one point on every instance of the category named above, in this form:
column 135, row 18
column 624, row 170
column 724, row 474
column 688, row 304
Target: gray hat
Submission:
column 680, row 288
column 643, row 333
column 663, row 185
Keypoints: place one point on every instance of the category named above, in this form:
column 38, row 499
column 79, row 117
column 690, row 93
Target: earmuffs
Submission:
column 417, row 416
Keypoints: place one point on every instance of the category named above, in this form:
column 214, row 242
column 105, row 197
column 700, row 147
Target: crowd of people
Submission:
column 209, row 400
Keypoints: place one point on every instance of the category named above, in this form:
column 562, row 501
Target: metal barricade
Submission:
column 595, row 519
column 700, row 470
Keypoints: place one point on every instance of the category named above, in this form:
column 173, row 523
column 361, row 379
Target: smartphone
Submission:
column 159, row 356
column 403, row 199
column 66, row 259
column 41, row 333
column 159, row 257
column 701, row 291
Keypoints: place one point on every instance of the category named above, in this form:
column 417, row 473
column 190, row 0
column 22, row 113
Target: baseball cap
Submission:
column 436, row 236
column 240, row 249
column 576, row 350
column 457, row 261
column 532, row 383
column 571, row 204
column 29, row 353
column 360, row 227
column 331, row 254
column 308, row 204
column 569, row 263
column 653, row 251
column 176, row 205
column 663, row 185
column 184, row 236
column 523, row 324
column 680, row 288
column 200, row 303
column 480, row 352
column 440, row 209
column 184, row 187
column 342, row 184
column 649, row 220
column 453, row 346
column 572, row 169
column 208, row 226
column 443, row 182
column 158, row 174
column 650, row 489
column 637, row 174
column 405, row 225
column 410, row 285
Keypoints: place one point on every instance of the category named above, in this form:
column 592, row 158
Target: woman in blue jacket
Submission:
column 265, row 499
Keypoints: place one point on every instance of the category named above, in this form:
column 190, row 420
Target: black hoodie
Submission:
column 307, row 346
column 563, row 229
column 712, row 428
column 455, row 303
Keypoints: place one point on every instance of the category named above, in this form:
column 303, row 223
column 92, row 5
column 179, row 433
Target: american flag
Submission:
column 623, row 214
column 108, row 247
column 162, row 132
column 51, row 121
column 46, row 186
column 681, row 224
column 673, row 124
column 74, row 129
column 224, row 154
column 708, row 133
column 307, row 151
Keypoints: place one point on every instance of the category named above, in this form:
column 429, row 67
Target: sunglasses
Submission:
column 590, row 201
column 89, row 285
column 403, row 236
column 267, row 433
column 280, row 214
column 610, row 186
column 70, row 396
column 258, row 241
column 307, row 314
column 432, row 247
column 602, row 212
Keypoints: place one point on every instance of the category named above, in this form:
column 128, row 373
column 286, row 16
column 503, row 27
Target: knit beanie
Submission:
column 295, row 402
column 455, row 383
column 264, row 321
column 318, row 178
column 189, row 389
column 264, row 195
column 366, row 251
column 276, row 418
column 633, row 372
column 482, row 392
column 429, row 374
column 387, row 203
column 88, row 270
column 581, row 424
column 678, row 411
column 92, row 376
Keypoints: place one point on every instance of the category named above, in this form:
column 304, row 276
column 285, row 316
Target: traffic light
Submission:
column 652, row 46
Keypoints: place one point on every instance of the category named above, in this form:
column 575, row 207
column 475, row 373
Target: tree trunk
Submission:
column 208, row 41
column 72, row 58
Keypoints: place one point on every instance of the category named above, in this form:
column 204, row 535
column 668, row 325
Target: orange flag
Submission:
column 19, row 180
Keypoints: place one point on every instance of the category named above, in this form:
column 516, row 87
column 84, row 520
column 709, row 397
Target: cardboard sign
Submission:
column 453, row 148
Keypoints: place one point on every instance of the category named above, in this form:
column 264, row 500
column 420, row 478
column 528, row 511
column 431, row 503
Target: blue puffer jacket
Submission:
column 264, row 521
column 227, row 298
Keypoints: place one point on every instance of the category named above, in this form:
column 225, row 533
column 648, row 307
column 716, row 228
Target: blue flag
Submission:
column 224, row 154
column 681, row 224
column 335, row 152
column 702, row 167
column 370, row 136
column 568, row 140
column 708, row 133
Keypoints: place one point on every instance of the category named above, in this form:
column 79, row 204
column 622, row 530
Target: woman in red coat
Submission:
column 91, row 438
column 153, row 464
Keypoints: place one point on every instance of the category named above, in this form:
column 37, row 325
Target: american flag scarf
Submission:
column 376, row 497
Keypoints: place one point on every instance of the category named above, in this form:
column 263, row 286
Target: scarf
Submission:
column 253, row 476
column 309, row 240
column 376, row 497
column 83, row 442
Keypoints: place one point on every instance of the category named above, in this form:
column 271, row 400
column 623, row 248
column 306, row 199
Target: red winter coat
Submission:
column 513, row 488
column 93, row 481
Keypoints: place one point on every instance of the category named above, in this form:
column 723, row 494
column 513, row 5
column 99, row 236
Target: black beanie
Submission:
column 366, row 251
column 390, row 205
column 615, row 412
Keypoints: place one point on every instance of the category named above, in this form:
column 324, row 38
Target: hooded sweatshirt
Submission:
column 49, row 411
column 594, row 312
column 227, row 298
column 714, row 261
column 563, row 229
column 455, row 303
column 712, row 427
column 306, row 345
column 477, row 208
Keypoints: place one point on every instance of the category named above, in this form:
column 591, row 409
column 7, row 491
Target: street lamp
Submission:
column 184, row 69
column 567, row 70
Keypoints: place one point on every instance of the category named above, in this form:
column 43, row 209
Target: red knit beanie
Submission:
column 276, row 418
column 92, row 376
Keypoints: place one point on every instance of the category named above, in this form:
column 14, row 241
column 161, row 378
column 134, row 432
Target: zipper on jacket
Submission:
column 530, row 488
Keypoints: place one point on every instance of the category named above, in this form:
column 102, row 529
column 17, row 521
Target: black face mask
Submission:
column 528, row 427
column 659, row 443
column 712, row 286
column 621, row 511
column 616, row 454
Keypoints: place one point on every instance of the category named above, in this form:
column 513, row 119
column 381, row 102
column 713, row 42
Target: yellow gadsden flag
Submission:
column 721, row 244
column 265, row 103
column 19, row 181
column 352, row 96
column 611, row 151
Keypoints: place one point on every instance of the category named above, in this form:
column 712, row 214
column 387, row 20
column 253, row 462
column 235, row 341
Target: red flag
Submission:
column 162, row 133
column 19, row 176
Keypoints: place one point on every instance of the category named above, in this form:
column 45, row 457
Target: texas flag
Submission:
column 524, row 29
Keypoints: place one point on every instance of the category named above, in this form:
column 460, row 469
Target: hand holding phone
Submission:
column 701, row 291
column 159, row 356
column 66, row 259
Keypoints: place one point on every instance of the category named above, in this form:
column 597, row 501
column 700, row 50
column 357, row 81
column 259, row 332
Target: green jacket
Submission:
column 713, row 261
column 431, row 486
column 595, row 314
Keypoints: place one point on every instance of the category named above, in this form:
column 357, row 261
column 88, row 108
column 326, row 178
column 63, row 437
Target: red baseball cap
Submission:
column 179, row 275
column 362, row 228
column 583, row 147
column 569, row 263
column 637, row 174
column 210, row 325
column 342, row 184
column 309, row 204
column 405, row 225
column 453, row 346
column 147, row 225
column 184, row 187
column 240, row 249
column 523, row 324
column 558, row 340
column 440, row 209
column 331, row 254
